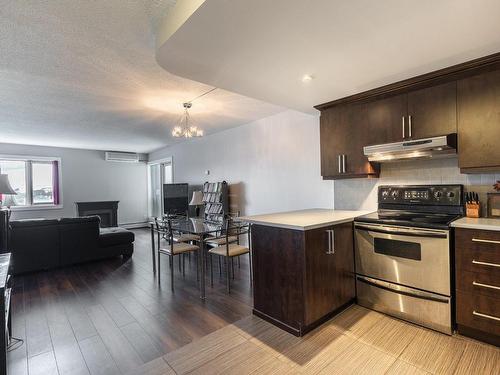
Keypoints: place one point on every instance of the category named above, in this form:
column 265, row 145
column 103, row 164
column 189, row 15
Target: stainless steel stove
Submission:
column 402, row 253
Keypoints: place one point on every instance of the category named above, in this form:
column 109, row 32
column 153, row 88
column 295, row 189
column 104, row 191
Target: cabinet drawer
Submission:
column 487, row 284
column 477, row 251
column 478, row 312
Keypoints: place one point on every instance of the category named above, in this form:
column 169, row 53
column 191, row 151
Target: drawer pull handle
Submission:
column 485, row 241
column 485, row 263
column 485, row 316
column 486, row 285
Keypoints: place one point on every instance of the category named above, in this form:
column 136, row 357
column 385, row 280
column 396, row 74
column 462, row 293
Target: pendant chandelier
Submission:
column 185, row 127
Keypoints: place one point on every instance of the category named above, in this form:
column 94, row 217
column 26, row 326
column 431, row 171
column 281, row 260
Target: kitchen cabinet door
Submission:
column 343, row 134
column 329, row 271
column 432, row 111
column 384, row 120
column 333, row 132
column 479, row 122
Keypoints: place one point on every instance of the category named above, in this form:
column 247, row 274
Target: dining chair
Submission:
column 182, row 237
column 172, row 249
column 229, row 250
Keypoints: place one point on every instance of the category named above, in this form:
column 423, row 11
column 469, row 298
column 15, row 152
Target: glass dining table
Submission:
column 196, row 226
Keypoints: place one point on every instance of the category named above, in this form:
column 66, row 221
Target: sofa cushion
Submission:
column 24, row 223
column 80, row 220
column 34, row 245
column 115, row 236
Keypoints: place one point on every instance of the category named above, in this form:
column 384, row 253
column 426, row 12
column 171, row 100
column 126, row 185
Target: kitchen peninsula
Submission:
column 303, row 266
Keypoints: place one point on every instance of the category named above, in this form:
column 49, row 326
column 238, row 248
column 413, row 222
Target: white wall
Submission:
column 272, row 164
column 362, row 193
column 86, row 176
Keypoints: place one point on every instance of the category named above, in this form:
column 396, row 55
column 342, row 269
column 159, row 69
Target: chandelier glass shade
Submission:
column 185, row 127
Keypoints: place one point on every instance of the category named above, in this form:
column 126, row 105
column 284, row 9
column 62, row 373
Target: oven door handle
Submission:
column 400, row 289
column 402, row 231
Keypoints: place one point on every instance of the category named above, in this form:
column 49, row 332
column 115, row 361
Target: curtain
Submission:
column 55, row 182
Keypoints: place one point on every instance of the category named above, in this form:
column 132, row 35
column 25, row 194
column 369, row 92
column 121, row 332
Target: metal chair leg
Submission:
column 232, row 266
column 180, row 265
column 227, row 275
column 251, row 271
column 172, row 272
column 220, row 266
column 158, row 266
column 239, row 263
column 197, row 269
column 211, row 271
column 183, row 258
column 153, row 255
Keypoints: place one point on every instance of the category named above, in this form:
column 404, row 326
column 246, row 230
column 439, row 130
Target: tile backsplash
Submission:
column 361, row 194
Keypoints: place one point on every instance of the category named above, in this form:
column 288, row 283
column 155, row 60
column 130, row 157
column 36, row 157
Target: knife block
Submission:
column 473, row 210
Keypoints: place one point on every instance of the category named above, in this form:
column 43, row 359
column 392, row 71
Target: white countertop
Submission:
column 304, row 219
column 483, row 223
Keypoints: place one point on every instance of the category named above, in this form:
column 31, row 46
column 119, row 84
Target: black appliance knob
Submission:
column 438, row 194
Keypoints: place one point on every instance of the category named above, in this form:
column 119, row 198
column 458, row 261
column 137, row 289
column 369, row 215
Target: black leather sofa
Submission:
column 42, row 244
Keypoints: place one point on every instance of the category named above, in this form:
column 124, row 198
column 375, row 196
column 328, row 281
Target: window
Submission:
column 36, row 181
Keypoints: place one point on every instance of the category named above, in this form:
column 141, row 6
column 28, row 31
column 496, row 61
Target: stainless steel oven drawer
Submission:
column 414, row 257
column 423, row 308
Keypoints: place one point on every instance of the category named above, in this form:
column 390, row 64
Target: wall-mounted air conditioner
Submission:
column 123, row 157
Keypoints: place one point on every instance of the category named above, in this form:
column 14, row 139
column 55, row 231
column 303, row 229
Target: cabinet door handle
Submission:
column 331, row 242
column 409, row 126
column 485, row 241
column 339, row 162
column 343, row 163
column 403, row 119
column 486, row 285
column 332, row 239
column 485, row 316
column 485, row 263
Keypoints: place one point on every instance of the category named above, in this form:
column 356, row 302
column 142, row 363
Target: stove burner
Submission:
column 429, row 206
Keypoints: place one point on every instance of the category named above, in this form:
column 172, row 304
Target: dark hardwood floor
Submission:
column 110, row 317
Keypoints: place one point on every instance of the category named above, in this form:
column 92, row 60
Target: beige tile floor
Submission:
column 358, row 341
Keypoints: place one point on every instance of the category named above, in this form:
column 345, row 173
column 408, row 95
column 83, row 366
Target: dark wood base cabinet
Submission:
column 302, row 278
column 477, row 256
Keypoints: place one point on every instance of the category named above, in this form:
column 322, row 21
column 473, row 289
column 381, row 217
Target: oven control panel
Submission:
column 449, row 195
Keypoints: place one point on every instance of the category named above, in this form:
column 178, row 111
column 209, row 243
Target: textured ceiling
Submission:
column 83, row 74
column 262, row 48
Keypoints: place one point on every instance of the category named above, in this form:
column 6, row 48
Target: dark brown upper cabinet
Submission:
column 432, row 111
column 342, row 138
column 347, row 128
column 463, row 99
column 423, row 113
column 385, row 119
column 479, row 123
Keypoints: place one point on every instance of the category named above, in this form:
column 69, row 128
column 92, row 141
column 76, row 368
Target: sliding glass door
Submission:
column 159, row 172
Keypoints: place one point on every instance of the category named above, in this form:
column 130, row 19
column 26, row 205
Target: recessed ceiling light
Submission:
column 307, row 78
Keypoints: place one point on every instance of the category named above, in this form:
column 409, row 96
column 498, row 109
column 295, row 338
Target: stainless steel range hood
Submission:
column 443, row 146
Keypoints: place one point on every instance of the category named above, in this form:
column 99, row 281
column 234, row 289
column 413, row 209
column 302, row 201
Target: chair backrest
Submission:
column 232, row 229
column 166, row 231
